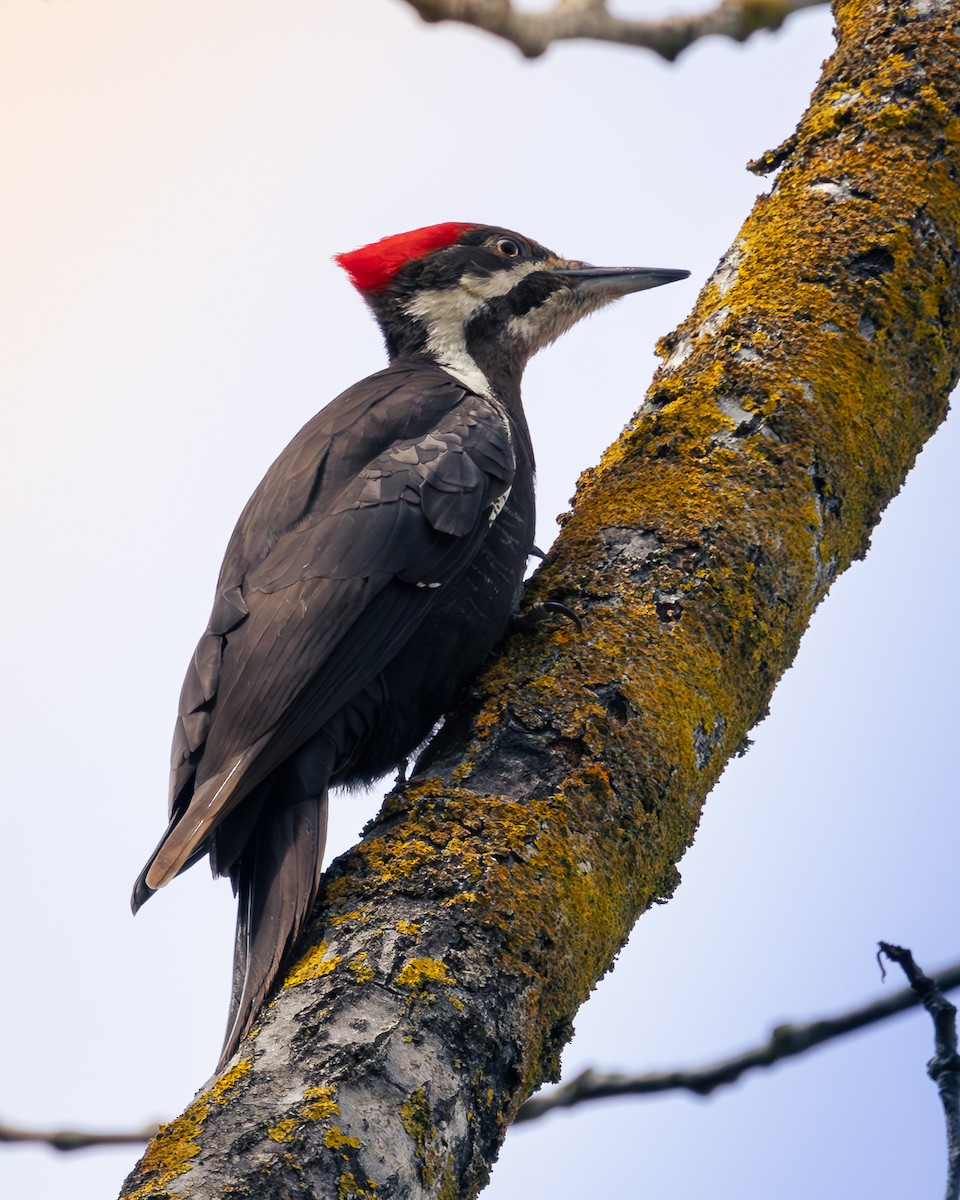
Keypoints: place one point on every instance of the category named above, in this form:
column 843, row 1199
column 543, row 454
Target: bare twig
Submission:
column 533, row 32
column 74, row 1139
column 944, row 1067
column 785, row 1042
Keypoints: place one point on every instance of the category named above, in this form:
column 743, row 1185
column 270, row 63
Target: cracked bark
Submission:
column 451, row 948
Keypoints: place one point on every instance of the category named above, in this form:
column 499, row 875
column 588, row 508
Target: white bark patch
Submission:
column 679, row 354
column 833, row 189
column 725, row 276
column 714, row 321
column 733, row 411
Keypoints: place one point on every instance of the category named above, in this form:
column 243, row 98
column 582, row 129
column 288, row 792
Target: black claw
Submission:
column 531, row 619
column 536, row 552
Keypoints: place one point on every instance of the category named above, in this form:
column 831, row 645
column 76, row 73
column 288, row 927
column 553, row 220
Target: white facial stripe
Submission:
column 500, row 282
column 446, row 312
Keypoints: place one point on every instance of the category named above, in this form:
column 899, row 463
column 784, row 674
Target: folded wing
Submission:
column 337, row 559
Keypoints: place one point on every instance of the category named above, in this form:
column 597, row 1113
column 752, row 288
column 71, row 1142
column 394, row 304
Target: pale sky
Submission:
column 176, row 177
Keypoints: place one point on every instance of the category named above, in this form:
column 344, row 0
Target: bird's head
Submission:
column 480, row 300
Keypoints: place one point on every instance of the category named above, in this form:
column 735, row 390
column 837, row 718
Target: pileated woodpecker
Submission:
column 369, row 575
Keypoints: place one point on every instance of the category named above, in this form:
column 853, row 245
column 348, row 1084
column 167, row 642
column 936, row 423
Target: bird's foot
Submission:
column 530, row 620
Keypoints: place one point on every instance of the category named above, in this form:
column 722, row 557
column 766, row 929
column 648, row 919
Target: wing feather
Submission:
column 334, row 563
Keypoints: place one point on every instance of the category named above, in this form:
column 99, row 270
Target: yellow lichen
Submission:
column 313, row 965
column 335, row 1139
column 171, row 1151
column 358, row 916
column 360, row 968
column 409, row 928
column 418, row 973
column 283, row 1130
column 177, row 1143
column 417, row 1121
column 228, row 1080
column 347, row 1186
column 320, row 1103
column 448, row 1185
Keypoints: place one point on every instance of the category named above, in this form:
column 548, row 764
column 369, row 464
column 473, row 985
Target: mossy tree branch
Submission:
column 452, row 946
column 668, row 36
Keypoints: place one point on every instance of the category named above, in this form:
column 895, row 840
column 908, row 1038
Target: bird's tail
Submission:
column 276, row 880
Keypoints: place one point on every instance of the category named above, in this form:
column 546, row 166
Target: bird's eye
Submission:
column 509, row 248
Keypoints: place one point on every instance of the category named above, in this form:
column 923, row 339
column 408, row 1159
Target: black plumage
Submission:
column 367, row 579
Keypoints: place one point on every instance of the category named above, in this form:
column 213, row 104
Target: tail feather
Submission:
column 187, row 837
column 194, row 822
column 277, row 883
column 142, row 891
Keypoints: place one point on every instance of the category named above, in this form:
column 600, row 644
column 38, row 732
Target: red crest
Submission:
column 372, row 267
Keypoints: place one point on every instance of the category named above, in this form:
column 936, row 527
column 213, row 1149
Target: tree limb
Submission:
column 451, row 948
column 533, row 32
column 75, row 1139
column 944, row 1067
column 786, row 1041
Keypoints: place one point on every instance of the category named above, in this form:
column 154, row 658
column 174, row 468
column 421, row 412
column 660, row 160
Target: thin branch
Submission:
column 785, row 1042
column 944, row 1067
column 532, row 33
column 75, row 1139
